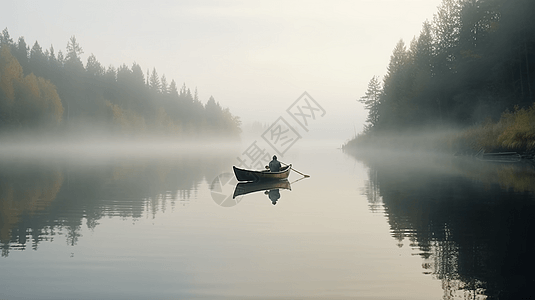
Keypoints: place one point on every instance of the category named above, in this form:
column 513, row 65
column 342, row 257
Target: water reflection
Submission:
column 42, row 200
column 222, row 196
column 470, row 221
column 25, row 195
column 273, row 195
column 270, row 188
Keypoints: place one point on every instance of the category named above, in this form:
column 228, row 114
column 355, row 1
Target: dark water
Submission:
column 470, row 221
column 163, row 225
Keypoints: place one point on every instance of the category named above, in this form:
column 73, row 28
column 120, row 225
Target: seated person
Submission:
column 274, row 165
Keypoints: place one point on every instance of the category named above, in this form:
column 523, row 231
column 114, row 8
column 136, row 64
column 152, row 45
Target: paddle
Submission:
column 297, row 180
column 294, row 169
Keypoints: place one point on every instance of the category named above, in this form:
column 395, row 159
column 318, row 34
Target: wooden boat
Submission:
column 500, row 157
column 244, row 188
column 264, row 175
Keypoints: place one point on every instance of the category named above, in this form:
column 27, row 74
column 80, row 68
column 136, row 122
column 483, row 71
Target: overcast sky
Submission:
column 254, row 57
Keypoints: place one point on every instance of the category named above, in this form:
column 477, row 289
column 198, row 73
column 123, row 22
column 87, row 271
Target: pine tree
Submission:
column 72, row 59
column 5, row 38
column 446, row 28
column 21, row 53
column 163, row 86
column 37, row 60
column 93, row 66
column 371, row 103
column 61, row 58
column 154, row 83
column 137, row 75
column 173, row 90
column 52, row 61
column 392, row 106
column 111, row 74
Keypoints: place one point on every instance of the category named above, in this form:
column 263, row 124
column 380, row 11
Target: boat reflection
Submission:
column 270, row 188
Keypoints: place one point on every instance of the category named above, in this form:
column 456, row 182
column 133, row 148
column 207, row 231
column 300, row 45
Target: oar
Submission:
column 294, row 169
column 297, row 180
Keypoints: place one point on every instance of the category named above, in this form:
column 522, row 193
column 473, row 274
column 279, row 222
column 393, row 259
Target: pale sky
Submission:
column 254, row 57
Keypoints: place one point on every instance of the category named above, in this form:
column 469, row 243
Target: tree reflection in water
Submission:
column 471, row 222
column 40, row 201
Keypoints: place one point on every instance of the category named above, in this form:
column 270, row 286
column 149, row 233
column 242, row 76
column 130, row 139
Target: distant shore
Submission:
column 514, row 132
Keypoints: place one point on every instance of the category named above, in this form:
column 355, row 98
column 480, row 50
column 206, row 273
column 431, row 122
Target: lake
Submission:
column 159, row 222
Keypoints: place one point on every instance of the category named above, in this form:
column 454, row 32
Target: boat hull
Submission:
column 256, row 176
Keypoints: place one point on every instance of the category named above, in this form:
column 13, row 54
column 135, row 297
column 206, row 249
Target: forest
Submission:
column 42, row 91
column 471, row 68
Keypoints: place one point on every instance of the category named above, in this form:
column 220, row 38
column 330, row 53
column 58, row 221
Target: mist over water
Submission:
column 89, row 147
column 387, row 225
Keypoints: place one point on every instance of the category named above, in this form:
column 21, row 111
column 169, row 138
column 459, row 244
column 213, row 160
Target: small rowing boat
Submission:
column 264, row 175
column 500, row 157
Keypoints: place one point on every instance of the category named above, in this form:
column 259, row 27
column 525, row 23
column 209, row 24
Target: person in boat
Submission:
column 274, row 165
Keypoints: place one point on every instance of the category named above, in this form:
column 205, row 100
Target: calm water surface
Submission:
column 161, row 226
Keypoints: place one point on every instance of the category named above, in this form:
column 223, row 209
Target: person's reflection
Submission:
column 273, row 195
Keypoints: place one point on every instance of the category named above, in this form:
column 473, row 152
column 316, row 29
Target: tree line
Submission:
column 42, row 89
column 472, row 62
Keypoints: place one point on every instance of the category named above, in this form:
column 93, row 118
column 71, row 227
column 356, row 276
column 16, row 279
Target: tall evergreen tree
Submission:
column 164, row 88
column 21, row 53
column 74, row 51
column 111, row 74
column 446, row 30
column 154, row 83
column 371, row 103
column 37, row 60
column 137, row 75
column 173, row 90
column 393, row 106
column 52, row 61
column 5, row 38
column 61, row 58
column 93, row 66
